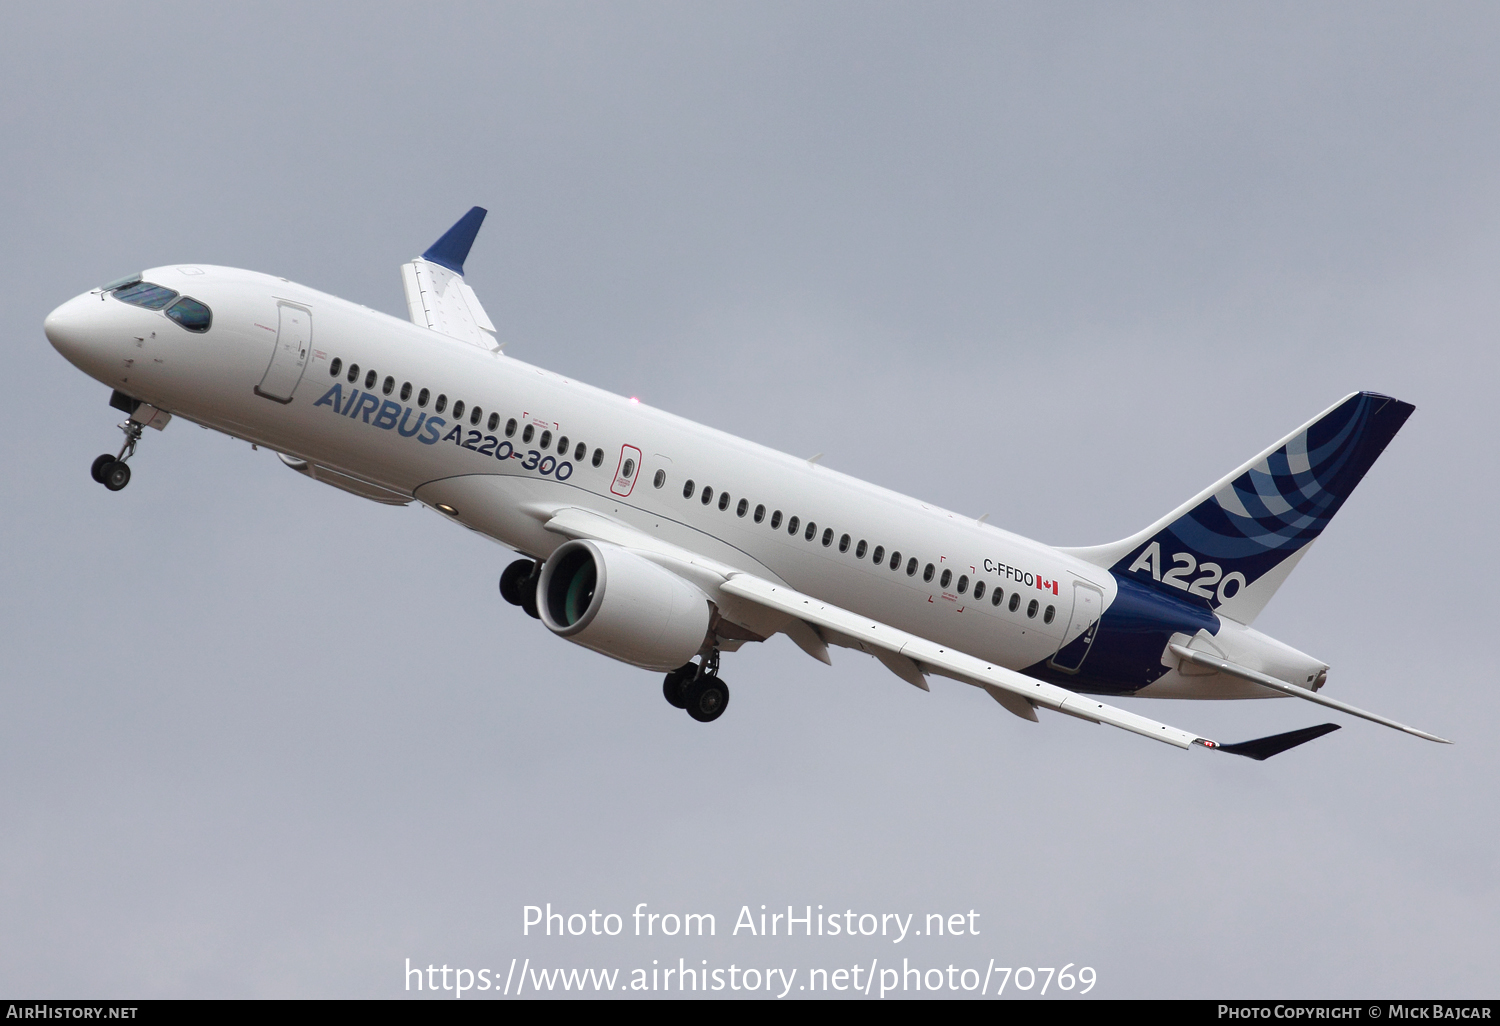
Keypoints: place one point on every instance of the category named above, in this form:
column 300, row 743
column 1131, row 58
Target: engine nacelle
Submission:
column 622, row 605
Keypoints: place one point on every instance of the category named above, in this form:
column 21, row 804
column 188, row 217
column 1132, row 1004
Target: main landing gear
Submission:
column 695, row 688
column 698, row 689
column 518, row 585
column 112, row 471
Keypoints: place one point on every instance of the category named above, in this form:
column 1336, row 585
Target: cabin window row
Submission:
column 476, row 413
column 809, row 531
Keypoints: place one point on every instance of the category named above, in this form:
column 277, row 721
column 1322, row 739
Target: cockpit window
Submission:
column 143, row 293
column 191, row 314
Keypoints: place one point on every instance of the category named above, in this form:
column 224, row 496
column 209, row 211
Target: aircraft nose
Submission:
column 67, row 327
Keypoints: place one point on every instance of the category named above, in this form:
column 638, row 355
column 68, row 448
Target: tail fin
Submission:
column 1233, row 544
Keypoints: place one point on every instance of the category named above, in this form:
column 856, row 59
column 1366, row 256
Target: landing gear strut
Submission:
column 698, row 689
column 112, row 471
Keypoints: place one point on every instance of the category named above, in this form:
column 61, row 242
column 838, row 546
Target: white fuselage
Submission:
column 492, row 482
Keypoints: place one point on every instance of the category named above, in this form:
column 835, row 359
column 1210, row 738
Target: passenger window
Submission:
column 760, row 513
column 1015, row 601
column 895, row 560
column 1049, row 614
column 1031, row 609
column 627, row 469
column 828, row 537
column 660, row 479
column 527, row 432
column 928, row 571
column 370, row 380
column 476, row 416
column 978, row 590
column 405, row 391
column 996, row 598
column 707, row 496
column 776, row 520
column 911, row 567
column 144, row 294
column 812, row 529
column 879, row 555
column 859, row 550
column 580, row 452
column 598, row 457
column 723, row 501
column 388, row 386
column 494, row 421
column 944, row 581
column 562, row 446
column 510, row 429
column 963, row 583
column 792, row 525
column 687, row 488
column 423, row 396
column 742, row 508
column 334, row 367
column 843, row 543
column 458, row 409
column 441, row 404
column 546, row 440
column 353, row 373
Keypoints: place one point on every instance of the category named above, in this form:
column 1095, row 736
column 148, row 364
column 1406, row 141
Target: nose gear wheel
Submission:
column 112, row 471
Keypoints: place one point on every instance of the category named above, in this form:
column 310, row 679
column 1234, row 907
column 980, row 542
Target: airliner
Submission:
column 665, row 544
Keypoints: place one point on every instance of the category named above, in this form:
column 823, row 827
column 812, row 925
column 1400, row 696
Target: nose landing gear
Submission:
column 112, row 471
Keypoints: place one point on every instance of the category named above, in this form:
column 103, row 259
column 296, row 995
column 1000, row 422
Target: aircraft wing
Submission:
column 437, row 296
column 731, row 588
column 946, row 662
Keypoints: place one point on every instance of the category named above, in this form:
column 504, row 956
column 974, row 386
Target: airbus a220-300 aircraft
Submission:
column 657, row 541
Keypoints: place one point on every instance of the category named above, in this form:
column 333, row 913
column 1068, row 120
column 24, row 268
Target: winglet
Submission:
column 453, row 248
column 1263, row 748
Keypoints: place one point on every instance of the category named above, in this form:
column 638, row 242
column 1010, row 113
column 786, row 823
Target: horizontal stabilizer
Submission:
column 1262, row 748
column 1275, row 684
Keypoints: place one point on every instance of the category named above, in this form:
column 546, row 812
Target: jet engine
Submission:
column 622, row 605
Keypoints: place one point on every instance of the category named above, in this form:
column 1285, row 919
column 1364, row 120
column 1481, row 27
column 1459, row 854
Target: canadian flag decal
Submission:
column 1046, row 585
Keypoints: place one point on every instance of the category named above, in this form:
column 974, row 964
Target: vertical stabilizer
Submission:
column 1232, row 545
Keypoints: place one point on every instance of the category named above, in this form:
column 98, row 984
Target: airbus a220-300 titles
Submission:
column 663, row 544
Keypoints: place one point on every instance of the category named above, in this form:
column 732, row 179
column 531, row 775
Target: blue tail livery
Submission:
column 1231, row 546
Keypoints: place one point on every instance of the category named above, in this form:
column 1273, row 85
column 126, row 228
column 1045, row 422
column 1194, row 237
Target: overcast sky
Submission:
column 1063, row 263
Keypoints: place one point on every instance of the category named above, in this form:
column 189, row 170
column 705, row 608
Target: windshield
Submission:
column 191, row 314
column 143, row 293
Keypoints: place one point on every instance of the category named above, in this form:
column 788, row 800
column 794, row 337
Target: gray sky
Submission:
column 1066, row 264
